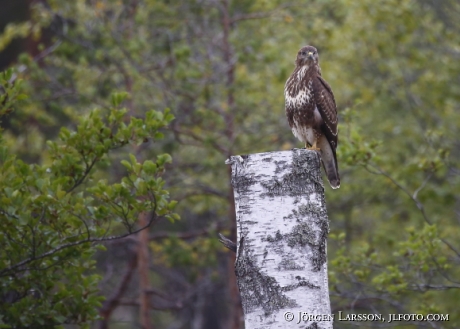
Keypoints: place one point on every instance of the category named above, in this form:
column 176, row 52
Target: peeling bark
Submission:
column 282, row 228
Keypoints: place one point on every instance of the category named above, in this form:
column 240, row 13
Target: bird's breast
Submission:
column 298, row 100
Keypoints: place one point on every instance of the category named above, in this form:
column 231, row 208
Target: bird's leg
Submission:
column 313, row 147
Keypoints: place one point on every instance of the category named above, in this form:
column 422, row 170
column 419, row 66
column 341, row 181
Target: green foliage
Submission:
column 178, row 253
column 33, row 28
column 10, row 91
column 55, row 214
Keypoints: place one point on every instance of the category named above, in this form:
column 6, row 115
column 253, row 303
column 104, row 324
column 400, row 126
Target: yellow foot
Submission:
column 313, row 147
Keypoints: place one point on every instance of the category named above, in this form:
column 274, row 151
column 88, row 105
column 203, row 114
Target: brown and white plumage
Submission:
column 311, row 110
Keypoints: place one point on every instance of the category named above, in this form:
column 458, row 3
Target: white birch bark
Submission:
column 282, row 227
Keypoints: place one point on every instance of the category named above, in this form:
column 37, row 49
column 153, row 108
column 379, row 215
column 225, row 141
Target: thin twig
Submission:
column 413, row 197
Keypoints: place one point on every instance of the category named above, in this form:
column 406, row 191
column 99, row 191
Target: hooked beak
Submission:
column 310, row 55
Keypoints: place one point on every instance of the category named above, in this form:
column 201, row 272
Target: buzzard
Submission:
column 311, row 110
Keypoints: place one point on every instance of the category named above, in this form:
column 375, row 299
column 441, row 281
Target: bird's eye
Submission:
column 303, row 53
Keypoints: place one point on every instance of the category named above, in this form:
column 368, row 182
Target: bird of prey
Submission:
column 311, row 110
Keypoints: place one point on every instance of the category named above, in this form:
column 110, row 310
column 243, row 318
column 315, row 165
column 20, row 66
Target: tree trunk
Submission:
column 143, row 268
column 282, row 227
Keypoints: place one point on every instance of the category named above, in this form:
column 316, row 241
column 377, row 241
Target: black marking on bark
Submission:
column 310, row 210
column 313, row 233
column 258, row 289
column 259, row 177
column 302, row 283
column 278, row 237
column 301, row 235
column 242, row 183
column 298, row 181
column 288, row 265
column 245, row 208
column 280, row 166
column 245, row 157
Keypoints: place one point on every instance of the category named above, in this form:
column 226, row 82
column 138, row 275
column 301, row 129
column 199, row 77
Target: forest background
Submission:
column 80, row 81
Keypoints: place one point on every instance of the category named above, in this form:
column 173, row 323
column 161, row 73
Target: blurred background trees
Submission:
column 220, row 67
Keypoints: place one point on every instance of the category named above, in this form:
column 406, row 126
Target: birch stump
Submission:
column 282, row 227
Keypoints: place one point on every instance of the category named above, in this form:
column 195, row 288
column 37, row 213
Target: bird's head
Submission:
column 307, row 55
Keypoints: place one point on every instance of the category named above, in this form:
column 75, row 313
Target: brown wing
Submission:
column 325, row 103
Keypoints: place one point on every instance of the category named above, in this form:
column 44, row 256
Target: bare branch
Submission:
column 85, row 174
column 176, row 306
column 111, row 303
column 199, row 139
column 414, row 196
column 227, row 243
column 425, row 287
column 51, row 252
column 184, row 235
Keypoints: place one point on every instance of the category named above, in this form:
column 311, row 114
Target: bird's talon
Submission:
column 312, row 147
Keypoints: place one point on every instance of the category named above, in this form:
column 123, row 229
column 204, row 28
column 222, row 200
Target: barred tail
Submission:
column 329, row 160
